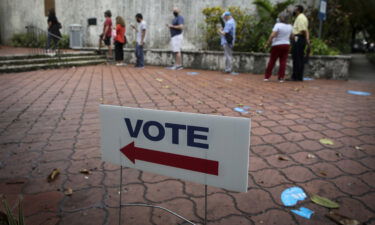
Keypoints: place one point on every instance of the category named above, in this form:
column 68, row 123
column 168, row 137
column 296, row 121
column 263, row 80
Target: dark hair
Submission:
column 139, row 16
column 51, row 12
column 108, row 13
column 300, row 8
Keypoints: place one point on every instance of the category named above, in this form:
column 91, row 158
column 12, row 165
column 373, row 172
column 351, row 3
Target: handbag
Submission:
column 229, row 38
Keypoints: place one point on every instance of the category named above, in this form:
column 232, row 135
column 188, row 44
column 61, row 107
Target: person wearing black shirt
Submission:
column 54, row 27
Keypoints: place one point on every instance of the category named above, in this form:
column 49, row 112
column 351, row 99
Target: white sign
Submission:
column 323, row 7
column 206, row 149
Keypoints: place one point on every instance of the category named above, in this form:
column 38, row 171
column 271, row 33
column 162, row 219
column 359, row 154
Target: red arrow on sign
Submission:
column 169, row 159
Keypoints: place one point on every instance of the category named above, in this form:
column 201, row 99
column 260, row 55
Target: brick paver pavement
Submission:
column 49, row 119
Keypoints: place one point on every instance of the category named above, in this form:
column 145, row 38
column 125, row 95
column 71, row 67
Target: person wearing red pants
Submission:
column 280, row 39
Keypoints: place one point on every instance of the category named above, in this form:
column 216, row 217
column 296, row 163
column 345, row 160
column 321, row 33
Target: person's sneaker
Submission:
column 179, row 68
column 120, row 64
column 266, row 80
column 281, row 80
column 139, row 67
column 171, row 68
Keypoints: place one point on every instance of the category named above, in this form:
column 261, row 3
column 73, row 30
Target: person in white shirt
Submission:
column 141, row 33
column 280, row 42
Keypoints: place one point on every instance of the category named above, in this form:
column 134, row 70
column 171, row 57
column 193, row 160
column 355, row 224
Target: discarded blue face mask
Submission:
column 291, row 196
column 192, row 73
column 304, row 212
column 307, row 78
column 234, row 73
column 246, row 107
column 241, row 110
column 362, row 93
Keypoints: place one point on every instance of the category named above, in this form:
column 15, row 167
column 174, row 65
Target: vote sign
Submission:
column 206, row 149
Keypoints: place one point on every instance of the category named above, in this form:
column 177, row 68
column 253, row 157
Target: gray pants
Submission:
column 228, row 54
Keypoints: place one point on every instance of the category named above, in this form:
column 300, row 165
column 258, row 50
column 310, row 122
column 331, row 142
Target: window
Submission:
column 48, row 4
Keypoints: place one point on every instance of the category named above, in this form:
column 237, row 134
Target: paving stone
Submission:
column 83, row 199
column 86, row 217
column 249, row 202
column 132, row 215
column 164, row 191
column 351, row 185
column 219, row 205
column 351, row 167
column 273, row 217
column 298, row 173
column 66, row 135
column 269, row 177
column 43, row 202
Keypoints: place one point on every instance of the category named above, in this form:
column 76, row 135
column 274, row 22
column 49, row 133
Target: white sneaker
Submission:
column 179, row 68
column 282, row 81
column 171, row 68
column 266, row 80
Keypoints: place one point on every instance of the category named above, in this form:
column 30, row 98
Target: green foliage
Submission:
column 337, row 28
column 30, row 40
column 251, row 31
column 268, row 11
column 319, row 47
column 10, row 218
column 245, row 28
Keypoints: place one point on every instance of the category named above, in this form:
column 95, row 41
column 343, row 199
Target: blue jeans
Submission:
column 140, row 56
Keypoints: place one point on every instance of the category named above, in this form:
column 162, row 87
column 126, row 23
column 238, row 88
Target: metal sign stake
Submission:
column 120, row 201
column 205, row 204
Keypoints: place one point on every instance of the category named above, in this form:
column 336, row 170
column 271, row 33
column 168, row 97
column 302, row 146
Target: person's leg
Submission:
column 179, row 39
column 295, row 60
column 117, row 53
column 283, row 57
column 110, row 54
column 302, row 45
column 137, row 55
column 141, row 56
column 48, row 41
column 271, row 62
column 100, row 42
column 178, row 59
column 121, row 52
column 226, row 58
column 55, row 43
column 230, row 52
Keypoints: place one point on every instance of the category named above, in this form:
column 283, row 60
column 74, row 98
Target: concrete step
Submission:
column 43, row 55
column 54, row 59
column 31, row 67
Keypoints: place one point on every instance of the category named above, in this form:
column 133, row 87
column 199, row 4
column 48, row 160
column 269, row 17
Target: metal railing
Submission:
column 37, row 42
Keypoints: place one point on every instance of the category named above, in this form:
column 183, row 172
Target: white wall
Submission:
column 16, row 14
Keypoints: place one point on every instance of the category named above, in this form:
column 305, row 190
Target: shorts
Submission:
column 176, row 43
column 107, row 40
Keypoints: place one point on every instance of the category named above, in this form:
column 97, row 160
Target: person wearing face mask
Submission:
column 141, row 33
column 279, row 39
column 228, row 35
column 300, row 37
column 176, row 29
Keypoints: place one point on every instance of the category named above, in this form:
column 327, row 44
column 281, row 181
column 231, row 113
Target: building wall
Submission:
column 16, row 14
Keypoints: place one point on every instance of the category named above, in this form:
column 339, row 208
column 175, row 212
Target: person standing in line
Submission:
column 228, row 36
column 120, row 41
column 300, row 37
column 107, row 33
column 280, row 39
column 141, row 33
column 54, row 27
column 176, row 29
